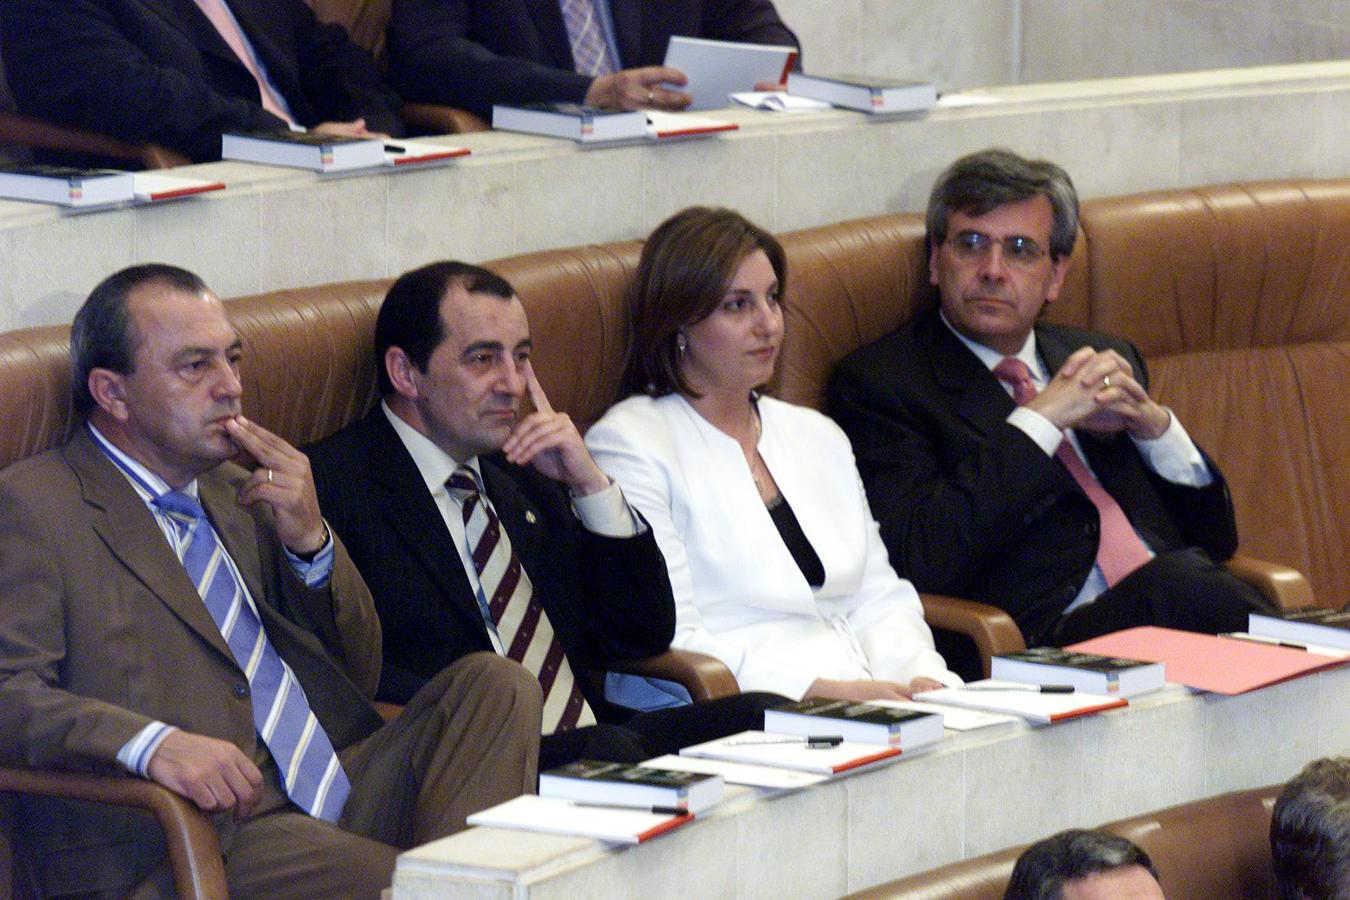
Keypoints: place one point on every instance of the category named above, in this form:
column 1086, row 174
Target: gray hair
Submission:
column 982, row 181
column 1310, row 832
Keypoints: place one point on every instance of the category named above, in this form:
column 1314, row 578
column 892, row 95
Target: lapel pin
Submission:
column 529, row 516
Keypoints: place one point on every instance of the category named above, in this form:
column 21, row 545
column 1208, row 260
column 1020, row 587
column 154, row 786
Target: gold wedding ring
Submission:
column 651, row 96
column 1106, row 381
column 269, row 476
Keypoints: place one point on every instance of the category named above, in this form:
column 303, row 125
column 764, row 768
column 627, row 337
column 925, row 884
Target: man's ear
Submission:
column 109, row 390
column 402, row 373
column 1059, row 269
column 933, row 264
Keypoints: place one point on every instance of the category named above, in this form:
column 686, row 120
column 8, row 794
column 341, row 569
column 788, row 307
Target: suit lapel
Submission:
column 401, row 496
column 133, row 536
column 187, row 17
column 548, row 21
column 974, row 392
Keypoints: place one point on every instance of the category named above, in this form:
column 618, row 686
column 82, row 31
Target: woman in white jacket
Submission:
column 776, row 562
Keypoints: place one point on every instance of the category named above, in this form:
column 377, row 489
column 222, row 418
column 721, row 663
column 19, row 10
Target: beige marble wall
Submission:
column 984, row 42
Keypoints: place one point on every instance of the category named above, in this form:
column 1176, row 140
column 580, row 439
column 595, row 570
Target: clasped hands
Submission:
column 1096, row 390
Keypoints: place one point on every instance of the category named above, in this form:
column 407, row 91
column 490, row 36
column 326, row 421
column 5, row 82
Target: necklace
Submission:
column 753, row 458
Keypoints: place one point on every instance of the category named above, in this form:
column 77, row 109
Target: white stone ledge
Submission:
column 972, row 794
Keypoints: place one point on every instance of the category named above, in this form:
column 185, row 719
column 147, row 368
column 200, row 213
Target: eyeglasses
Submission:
column 1018, row 251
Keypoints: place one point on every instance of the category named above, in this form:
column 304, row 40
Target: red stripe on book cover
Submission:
column 862, row 761
column 187, row 191
column 706, row 129
column 428, row 157
column 1060, row 717
column 664, row 827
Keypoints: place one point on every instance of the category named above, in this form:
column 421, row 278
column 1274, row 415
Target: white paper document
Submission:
column 716, row 69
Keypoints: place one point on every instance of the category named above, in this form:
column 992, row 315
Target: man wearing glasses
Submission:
column 1024, row 464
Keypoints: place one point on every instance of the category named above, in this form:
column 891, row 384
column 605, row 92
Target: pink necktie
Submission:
column 225, row 24
column 1119, row 549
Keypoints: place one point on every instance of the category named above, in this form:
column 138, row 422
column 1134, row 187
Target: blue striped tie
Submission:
column 309, row 766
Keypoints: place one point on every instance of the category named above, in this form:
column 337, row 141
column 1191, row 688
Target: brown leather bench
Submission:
column 1212, row 848
column 1235, row 293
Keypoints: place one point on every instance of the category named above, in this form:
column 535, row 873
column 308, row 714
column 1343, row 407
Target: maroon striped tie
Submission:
column 521, row 623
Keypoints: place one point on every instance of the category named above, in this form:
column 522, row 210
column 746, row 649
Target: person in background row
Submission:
column 773, row 553
column 474, row 53
column 179, row 73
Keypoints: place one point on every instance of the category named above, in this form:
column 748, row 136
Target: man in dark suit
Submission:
column 180, row 73
column 474, row 53
column 169, row 615
column 447, row 484
column 1022, row 464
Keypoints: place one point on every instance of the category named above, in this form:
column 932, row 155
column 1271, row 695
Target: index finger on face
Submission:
column 261, row 444
column 537, row 395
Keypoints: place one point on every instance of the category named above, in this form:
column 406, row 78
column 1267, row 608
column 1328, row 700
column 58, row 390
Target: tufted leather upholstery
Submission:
column 1237, row 296
column 1217, row 847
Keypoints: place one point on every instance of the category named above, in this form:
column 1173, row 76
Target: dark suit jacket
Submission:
column 607, row 598
column 102, row 632
column 969, row 505
column 473, row 53
column 158, row 71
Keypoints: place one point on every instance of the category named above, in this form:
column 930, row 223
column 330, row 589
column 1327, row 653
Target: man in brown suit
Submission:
column 131, row 562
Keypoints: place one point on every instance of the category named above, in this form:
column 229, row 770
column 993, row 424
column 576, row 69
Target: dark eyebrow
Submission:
column 477, row 346
column 527, row 344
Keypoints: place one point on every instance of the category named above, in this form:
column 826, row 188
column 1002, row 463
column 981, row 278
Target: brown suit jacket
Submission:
column 102, row 632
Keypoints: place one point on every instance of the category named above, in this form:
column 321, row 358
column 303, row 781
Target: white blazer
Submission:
column 739, row 595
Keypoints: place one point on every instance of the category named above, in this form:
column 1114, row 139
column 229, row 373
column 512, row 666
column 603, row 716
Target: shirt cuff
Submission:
column 135, row 753
column 315, row 572
column 1174, row 456
column 1037, row 427
column 606, row 512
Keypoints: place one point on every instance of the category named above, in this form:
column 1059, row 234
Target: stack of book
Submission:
column 866, row 93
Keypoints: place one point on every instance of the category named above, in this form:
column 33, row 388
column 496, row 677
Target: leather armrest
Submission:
column 992, row 629
column 704, row 677
column 30, row 132
column 194, row 850
column 432, row 118
column 1284, row 587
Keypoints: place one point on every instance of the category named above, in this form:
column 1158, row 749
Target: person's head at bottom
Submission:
column 1310, row 832
column 1083, row 865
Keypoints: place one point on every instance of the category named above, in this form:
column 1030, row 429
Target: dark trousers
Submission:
column 646, row 734
column 1182, row 589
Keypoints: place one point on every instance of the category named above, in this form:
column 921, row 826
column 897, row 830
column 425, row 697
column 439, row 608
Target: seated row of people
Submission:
column 170, row 614
column 181, row 74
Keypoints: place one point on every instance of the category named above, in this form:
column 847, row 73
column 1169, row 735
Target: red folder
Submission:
column 1208, row 663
